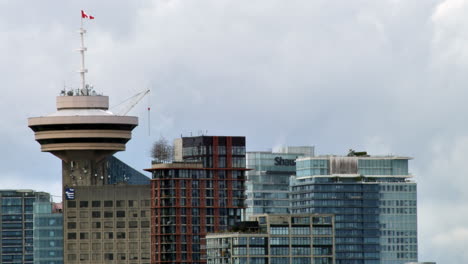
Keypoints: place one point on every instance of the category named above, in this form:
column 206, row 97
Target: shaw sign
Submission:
column 279, row 161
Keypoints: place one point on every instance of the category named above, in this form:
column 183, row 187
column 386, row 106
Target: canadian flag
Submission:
column 84, row 15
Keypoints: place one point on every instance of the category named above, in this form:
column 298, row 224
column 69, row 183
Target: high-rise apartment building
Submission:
column 17, row 224
column 267, row 185
column 204, row 193
column 48, row 233
column 279, row 239
column 374, row 202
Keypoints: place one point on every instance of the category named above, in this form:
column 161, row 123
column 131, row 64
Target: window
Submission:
column 121, row 256
column 108, row 224
column 71, row 235
column 84, row 225
column 279, row 251
column 120, row 246
column 108, row 214
column 257, row 241
column 96, row 235
column 96, row 257
column 120, row 214
column 84, row 214
column 133, row 235
column 108, row 203
column 300, row 251
column 96, row 203
column 144, row 224
column 96, row 214
column 145, row 256
column 133, row 224
column 83, row 204
column 71, row 214
column 279, row 230
column 108, row 246
column 300, row 230
column 133, row 245
column 108, row 256
column 96, row 246
column 279, row 241
column 322, row 231
column 84, row 246
column 120, row 203
column 131, row 203
column 108, row 235
column 71, row 225
column 96, row 225
column 301, row 240
column 71, row 204
column 120, row 235
column 301, row 261
column 120, row 224
column 71, row 246
column 84, row 235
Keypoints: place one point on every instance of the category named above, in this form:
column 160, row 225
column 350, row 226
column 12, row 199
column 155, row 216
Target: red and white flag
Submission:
column 84, row 15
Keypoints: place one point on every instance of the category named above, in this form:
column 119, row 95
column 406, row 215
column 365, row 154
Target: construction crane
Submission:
column 125, row 106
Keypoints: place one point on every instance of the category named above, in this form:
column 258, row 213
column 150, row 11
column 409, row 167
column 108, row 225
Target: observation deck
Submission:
column 83, row 128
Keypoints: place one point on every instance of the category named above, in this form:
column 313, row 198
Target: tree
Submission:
column 162, row 151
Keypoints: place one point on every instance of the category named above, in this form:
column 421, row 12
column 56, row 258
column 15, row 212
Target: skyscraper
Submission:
column 17, row 224
column 374, row 201
column 204, row 193
column 267, row 185
column 48, row 233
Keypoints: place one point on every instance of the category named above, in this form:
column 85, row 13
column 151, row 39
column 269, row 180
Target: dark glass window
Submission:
column 120, row 214
column 108, row 214
column 96, row 214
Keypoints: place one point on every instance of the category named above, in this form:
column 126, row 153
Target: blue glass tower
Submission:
column 48, row 234
column 16, row 228
column 374, row 202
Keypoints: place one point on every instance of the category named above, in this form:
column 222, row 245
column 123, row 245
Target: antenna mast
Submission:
column 82, row 50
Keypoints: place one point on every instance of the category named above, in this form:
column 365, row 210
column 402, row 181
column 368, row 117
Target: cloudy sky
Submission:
column 387, row 76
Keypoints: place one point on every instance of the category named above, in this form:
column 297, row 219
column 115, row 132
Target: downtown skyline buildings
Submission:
column 100, row 134
column 217, row 163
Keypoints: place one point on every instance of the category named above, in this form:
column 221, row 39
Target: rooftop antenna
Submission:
column 82, row 50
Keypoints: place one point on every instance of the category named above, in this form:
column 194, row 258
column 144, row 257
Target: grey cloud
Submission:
column 378, row 75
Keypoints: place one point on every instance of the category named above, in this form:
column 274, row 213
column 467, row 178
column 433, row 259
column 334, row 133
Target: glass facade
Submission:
column 17, row 221
column 267, row 186
column 373, row 200
column 118, row 171
column 48, row 234
column 281, row 239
